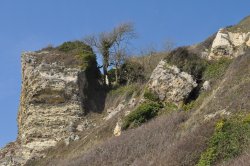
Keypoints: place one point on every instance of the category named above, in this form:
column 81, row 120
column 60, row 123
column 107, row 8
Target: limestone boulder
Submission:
column 171, row 84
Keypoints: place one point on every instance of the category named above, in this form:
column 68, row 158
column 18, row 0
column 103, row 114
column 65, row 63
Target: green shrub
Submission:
column 83, row 52
column 148, row 94
column 141, row 114
column 188, row 106
column 216, row 69
column 168, row 108
column 229, row 139
column 131, row 72
column 73, row 45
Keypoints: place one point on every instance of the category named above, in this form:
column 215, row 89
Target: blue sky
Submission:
column 31, row 25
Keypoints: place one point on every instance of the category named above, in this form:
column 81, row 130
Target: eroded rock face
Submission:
column 170, row 84
column 229, row 44
column 50, row 107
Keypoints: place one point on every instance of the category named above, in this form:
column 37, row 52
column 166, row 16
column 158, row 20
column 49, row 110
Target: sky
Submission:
column 30, row 25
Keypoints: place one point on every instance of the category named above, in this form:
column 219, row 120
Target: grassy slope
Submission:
column 176, row 139
column 242, row 26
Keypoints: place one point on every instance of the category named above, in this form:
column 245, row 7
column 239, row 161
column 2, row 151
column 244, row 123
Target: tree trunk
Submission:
column 116, row 74
column 105, row 70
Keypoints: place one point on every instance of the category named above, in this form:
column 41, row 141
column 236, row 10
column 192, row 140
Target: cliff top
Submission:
column 70, row 54
column 242, row 26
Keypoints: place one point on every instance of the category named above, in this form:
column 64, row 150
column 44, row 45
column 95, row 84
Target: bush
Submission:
column 132, row 72
column 229, row 139
column 151, row 95
column 187, row 62
column 140, row 115
column 74, row 45
column 216, row 69
column 83, row 52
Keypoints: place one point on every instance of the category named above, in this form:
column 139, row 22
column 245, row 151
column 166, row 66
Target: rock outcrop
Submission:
column 170, row 84
column 51, row 105
column 229, row 44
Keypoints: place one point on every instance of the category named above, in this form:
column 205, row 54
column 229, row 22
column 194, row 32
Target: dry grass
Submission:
column 160, row 142
column 242, row 160
column 149, row 62
column 234, row 89
column 242, row 26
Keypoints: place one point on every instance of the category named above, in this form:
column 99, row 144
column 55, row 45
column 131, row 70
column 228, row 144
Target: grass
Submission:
column 189, row 106
column 141, row 114
column 121, row 93
column 148, row 94
column 121, row 90
column 216, row 69
column 243, row 26
column 230, row 137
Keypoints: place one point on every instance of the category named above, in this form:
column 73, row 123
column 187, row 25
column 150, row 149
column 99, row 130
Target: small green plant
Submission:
column 141, row 114
column 216, row 69
column 188, row 106
column 168, row 108
column 148, row 94
column 229, row 139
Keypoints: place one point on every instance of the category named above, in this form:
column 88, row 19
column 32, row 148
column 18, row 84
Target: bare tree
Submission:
column 112, row 46
column 121, row 35
column 103, row 42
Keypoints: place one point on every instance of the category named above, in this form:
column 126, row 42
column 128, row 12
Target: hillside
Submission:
column 188, row 107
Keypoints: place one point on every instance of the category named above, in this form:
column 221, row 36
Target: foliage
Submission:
column 216, row 69
column 188, row 62
column 188, row 106
column 111, row 74
column 131, row 72
column 141, row 114
column 229, row 139
column 169, row 108
column 148, row 94
column 74, row 45
column 112, row 46
column 82, row 51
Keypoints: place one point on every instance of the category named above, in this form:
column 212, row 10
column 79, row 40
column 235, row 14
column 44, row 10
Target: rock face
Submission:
column 229, row 44
column 51, row 106
column 170, row 84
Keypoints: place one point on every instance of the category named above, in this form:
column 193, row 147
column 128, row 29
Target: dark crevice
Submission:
column 92, row 92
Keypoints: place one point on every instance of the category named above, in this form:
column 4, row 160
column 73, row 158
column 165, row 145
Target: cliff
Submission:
column 53, row 99
column 66, row 116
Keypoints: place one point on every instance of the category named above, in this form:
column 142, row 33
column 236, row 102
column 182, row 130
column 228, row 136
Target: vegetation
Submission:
column 140, row 115
column 243, row 26
column 216, row 69
column 120, row 90
column 112, row 46
column 148, row 94
column 81, row 51
column 188, row 62
column 188, row 106
column 230, row 137
column 168, row 108
column 131, row 72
